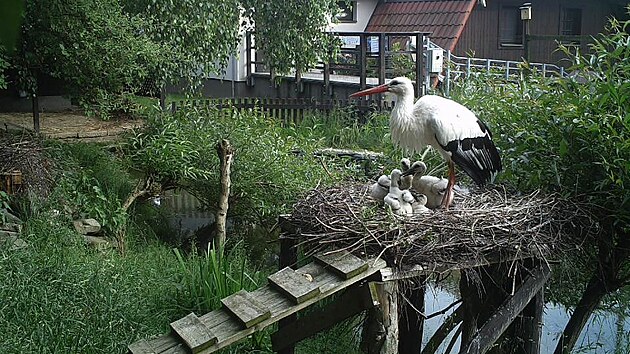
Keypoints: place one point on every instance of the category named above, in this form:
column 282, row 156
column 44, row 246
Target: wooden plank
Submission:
column 507, row 312
column 246, row 308
column 141, row 347
column 194, row 333
column 229, row 331
column 351, row 302
column 344, row 264
column 294, row 285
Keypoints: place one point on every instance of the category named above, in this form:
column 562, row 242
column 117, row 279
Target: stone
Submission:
column 98, row 243
column 87, row 226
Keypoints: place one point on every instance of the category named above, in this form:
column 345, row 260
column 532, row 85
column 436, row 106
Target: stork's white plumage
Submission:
column 447, row 126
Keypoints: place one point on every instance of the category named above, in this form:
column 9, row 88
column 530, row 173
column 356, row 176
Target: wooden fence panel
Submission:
column 287, row 110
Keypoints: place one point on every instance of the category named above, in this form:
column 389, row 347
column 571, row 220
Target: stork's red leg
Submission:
column 448, row 195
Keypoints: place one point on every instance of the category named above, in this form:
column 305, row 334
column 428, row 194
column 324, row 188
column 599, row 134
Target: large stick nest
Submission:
column 25, row 153
column 483, row 227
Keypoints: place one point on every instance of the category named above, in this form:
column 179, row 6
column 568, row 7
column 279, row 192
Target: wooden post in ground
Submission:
column 411, row 322
column 226, row 156
column 380, row 330
column 35, row 103
column 288, row 258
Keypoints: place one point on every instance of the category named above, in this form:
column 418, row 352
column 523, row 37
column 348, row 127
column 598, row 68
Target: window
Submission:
column 510, row 27
column 347, row 11
column 571, row 22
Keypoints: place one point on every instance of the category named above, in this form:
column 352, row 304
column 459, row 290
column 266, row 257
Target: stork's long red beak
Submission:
column 371, row 91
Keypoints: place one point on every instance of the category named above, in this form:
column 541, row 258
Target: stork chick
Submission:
column 395, row 196
column 405, row 180
column 419, row 205
column 380, row 189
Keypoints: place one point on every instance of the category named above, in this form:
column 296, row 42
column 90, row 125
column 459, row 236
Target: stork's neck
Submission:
column 403, row 109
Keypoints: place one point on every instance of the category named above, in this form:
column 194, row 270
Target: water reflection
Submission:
column 605, row 332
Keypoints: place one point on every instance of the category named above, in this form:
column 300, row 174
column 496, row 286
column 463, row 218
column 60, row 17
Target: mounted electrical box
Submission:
column 435, row 58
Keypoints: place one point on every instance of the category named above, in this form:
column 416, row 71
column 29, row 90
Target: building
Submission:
column 494, row 28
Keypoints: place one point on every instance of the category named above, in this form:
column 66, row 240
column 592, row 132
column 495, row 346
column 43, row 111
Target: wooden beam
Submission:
column 507, row 312
column 229, row 331
column 246, row 308
column 351, row 302
column 380, row 329
column 194, row 333
column 35, row 104
column 344, row 264
column 444, row 330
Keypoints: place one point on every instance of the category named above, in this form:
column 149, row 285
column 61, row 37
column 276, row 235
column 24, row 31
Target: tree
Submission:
column 196, row 37
column 92, row 45
column 291, row 34
column 110, row 47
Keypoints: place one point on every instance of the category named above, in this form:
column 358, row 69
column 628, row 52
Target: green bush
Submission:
column 271, row 167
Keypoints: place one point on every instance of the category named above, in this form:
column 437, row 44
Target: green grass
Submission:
column 57, row 296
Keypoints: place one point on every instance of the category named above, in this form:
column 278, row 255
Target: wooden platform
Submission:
column 235, row 321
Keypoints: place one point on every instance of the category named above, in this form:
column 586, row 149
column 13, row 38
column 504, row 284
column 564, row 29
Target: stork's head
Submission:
column 400, row 86
column 417, row 167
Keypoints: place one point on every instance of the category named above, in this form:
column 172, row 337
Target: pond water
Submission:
column 606, row 332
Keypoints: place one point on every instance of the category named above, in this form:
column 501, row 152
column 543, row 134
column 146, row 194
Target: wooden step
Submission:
column 246, row 308
column 194, row 333
column 295, row 285
column 344, row 264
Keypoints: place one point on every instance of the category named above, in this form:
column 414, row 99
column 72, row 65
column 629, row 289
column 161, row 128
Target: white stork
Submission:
column 447, row 126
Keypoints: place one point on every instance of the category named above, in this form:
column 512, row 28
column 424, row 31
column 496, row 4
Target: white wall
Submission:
column 365, row 8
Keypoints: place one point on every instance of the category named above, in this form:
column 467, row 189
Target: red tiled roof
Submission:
column 444, row 18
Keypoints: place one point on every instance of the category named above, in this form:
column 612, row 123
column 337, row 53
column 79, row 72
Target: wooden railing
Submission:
column 369, row 59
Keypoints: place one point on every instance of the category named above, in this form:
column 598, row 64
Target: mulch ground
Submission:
column 69, row 125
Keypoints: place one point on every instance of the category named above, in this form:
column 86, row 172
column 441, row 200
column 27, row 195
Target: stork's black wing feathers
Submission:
column 477, row 156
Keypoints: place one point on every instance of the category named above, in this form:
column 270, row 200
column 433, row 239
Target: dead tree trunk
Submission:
column 592, row 296
column 226, row 155
column 613, row 255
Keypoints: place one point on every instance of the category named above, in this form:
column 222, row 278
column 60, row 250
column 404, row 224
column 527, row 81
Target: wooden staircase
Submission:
column 288, row 291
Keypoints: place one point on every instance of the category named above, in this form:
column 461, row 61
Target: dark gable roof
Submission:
column 445, row 19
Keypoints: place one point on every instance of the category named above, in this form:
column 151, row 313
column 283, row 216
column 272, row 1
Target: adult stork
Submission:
column 450, row 128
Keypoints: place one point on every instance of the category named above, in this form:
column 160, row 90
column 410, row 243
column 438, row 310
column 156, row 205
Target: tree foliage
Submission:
column 573, row 136
column 291, row 34
column 91, row 44
column 196, row 37
column 100, row 48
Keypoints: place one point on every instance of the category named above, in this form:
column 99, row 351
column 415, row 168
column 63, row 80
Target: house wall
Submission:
column 365, row 8
column 481, row 34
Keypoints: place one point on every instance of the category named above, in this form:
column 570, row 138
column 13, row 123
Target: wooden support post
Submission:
column 352, row 302
column 381, row 58
column 363, row 61
column 248, row 60
column 419, row 64
column 288, row 258
column 507, row 312
column 380, row 330
column 163, row 98
column 411, row 322
column 533, row 314
column 35, row 104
